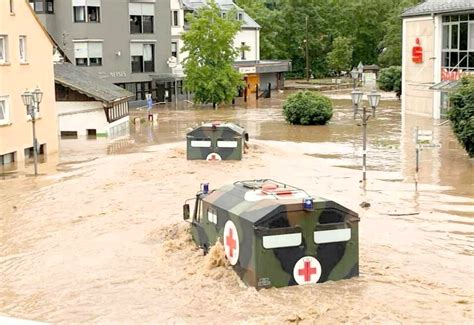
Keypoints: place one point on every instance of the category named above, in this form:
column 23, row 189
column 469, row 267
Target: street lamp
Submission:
column 356, row 96
column 354, row 76
column 32, row 100
column 374, row 100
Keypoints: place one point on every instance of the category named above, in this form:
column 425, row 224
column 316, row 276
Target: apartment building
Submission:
column 438, row 49
column 255, row 71
column 121, row 41
column 26, row 62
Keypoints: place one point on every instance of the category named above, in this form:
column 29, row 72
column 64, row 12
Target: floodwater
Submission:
column 98, row 237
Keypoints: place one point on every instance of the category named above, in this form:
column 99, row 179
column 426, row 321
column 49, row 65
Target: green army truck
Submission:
column 216, row 141
column 276, row 235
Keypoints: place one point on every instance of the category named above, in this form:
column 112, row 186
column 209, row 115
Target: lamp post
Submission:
column 354, row 76
column 32, row 100
column 373, row 99
column 356, row 96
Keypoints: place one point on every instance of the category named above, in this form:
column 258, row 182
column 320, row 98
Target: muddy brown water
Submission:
column 98, row 237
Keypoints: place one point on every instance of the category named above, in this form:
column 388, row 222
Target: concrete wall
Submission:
column 114, row 30
column 80, row 116
column 251, row 38
column 265, row 78
column 417, row 78
column 15, row 77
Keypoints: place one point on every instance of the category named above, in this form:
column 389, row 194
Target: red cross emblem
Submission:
column 307, row 270
column 231, row 242
column 213, row 157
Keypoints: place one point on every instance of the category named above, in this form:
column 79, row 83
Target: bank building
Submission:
column 437, row 50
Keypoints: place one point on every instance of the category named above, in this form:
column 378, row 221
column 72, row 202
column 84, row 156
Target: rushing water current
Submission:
column 98, row 236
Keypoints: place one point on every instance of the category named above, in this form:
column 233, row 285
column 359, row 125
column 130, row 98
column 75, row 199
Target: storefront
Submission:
column 438, row 49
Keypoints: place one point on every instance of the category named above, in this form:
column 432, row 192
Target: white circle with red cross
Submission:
column 231, row 242
column 307, row 270
column 213, row 157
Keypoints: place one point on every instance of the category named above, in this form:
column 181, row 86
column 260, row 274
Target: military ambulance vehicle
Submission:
column 216, row 141
column 276, row 235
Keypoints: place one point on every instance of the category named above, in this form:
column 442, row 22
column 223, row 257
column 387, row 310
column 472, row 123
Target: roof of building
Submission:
column 429, row 7
column 86, row 83
column 225, row 5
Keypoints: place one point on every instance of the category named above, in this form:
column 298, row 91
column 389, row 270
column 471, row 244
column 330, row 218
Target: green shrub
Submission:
column 390, row 79
column 461, row 114
column 307, row 108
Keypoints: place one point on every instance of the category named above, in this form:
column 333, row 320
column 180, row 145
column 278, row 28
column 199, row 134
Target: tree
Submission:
column 340, row 58
column 391, row 43
column 390, row 79
column 307, row 108
column 461, row 114
column 210, row 74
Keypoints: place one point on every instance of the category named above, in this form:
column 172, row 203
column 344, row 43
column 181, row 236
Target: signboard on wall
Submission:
column 417, row 52
column 245, row 70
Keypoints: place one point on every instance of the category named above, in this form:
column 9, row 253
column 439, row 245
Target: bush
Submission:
column 307, row 108
column 461, row 114
column 390, row 79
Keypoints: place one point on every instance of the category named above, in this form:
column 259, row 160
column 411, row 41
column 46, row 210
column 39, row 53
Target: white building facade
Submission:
column 257, row 74
column 249, row 35
column 438, row 49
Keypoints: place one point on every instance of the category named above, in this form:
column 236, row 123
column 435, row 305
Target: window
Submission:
column 174, row 18
column 22, row 48
column 3, row 49
column 221, row 143
column 201, row 143
column 11, row 7
column 93, row 14
column 42, row 6
column 141, row 18
column 458, row 42
column 86, row 11
column 212, row 215
column 174, row 49
column 4, row 112
column 240, row 16
column 242, row 50
column 88, row 53
column 142, row 57
column 283, row 240
column 79, row 14
column 332, row 236
column 7, row 159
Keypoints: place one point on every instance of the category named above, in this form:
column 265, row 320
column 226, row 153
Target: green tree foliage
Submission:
column 307, row 108
column 340, row 58
column 391, row 44
column 210, row 75
column 373, row 26
column 461, row 114
column 390, row 79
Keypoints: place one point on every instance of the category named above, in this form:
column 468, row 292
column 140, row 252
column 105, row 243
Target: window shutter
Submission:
column 136, row 49
column 135, row 9
column 148, row 9
column 95, row 50
column 93, row 3
column 80, row 50
column 78, row 3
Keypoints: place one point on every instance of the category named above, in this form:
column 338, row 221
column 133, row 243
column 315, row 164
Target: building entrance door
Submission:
column 252, row 81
